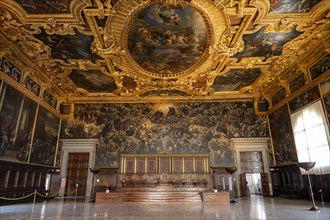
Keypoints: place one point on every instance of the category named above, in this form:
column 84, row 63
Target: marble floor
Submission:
column 254, row 208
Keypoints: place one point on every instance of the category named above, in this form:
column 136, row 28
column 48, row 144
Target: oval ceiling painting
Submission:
column 167, row 41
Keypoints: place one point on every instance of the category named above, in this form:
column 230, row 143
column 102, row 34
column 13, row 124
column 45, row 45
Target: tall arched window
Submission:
column 311, row 135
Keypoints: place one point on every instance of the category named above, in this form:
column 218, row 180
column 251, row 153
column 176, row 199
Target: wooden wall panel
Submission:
column 152, row 165
column 130, row 165
column 178, row 165
column 164, row 165
column 199, row 165
column 188, row 166
column 140, row 165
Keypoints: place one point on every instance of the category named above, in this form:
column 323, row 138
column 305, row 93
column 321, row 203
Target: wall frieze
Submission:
column 249, row 140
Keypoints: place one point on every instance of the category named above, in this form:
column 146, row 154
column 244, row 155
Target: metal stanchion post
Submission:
column 232, row 170
column 213, row 179
column 35, row 196
column 77, row 185
column 307, row 166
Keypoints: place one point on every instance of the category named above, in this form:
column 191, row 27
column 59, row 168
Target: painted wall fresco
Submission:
column 69, row 46
column 279, row 96
column 154, row 128
column 25, row 126
column 45, row 138
column 51, row 100
column 93, row 81
column 282, row 136
column 8, row 121
column 325, row 90
column 266, row 45
column 11, row 70
column 45, row 6
column 17, row 117
column 305, row 98
column 292, row 6
column 297, row 83
column 322, row 66
column 32, row 86
column 164, row 41
column 270, row 153
column 235, row 79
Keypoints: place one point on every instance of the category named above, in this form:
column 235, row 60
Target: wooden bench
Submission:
column 139, row 183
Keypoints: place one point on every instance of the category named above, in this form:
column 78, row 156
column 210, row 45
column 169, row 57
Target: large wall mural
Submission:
column 156, row 128
column 166, row 40
column 9, row 113
column 281, row 132
column 25, row 127
column 45, row 138
column 17, row 118
column 325, row 90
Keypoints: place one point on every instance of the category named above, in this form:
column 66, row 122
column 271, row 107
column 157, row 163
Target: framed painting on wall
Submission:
column 32, row 86
column 10, row 70
column 45, row 138
column 8, row 120
column 320, row 67
column 325, row 90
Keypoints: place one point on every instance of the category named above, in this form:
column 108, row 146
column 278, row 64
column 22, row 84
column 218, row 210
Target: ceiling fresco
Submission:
column 235, row 79
column 110, row 51
column 292, row 6
column 93, row 81
column 265, row 45
column 64, row 47
column 167, row 41
column 45, row 6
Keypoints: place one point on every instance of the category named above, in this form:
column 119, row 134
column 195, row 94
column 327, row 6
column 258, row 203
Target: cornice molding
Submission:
column 79, row 141
column 250, row 140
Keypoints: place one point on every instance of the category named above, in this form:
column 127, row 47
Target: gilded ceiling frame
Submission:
column 35, row 58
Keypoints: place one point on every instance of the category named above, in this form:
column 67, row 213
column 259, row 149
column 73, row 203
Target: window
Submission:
column 311, row 135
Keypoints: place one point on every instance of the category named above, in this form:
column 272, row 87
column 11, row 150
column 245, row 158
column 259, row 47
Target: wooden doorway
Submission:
column 77, row 171
column 252, row 173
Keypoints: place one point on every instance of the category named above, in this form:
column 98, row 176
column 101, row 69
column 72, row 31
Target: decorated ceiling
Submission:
column 92, row 51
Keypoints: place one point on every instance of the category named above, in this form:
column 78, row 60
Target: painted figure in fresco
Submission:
column 296, row 6
column 24, row 151
column 4, row 143
column 320, row 67
column 44, row 6
column 4, row 131
column 158, row 38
